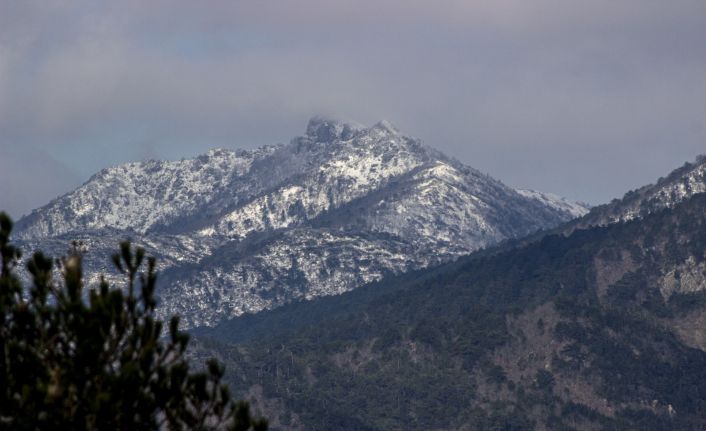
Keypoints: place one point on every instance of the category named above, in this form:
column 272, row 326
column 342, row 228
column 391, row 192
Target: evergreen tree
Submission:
column 71, row 359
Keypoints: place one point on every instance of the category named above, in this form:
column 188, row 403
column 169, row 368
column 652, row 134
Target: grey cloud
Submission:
column 585, row 99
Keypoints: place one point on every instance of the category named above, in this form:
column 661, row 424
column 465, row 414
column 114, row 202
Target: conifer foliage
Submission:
column 71, row 359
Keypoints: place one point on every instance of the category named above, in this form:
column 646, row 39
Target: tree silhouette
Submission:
column 98, row 359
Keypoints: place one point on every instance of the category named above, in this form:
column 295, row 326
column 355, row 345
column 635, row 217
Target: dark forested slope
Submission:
column 603, row 329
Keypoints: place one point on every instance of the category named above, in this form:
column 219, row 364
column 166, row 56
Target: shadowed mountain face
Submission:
column 332, row 210
column 600, row 329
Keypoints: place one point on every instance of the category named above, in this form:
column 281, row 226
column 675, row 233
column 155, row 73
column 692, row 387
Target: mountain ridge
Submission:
column 678, row 185
column 338, row 207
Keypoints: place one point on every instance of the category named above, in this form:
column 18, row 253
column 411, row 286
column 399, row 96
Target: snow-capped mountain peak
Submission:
column 324, row 129
column 386, row 127
column 339, row 207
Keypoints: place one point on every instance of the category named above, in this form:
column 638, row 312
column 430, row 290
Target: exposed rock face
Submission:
column 248, row 230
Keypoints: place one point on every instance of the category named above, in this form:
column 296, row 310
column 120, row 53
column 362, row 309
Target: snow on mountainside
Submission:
column 139, row 196
column 332, row 210
column 573, row 208
column 351, row 163
column 679, row 185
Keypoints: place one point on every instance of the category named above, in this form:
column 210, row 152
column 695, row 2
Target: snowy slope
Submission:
column 140, row 196
column 679, row 185
column 550, row 199
column 332, row 210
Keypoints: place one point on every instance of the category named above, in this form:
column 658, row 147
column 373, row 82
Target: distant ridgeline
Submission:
column 600, row 329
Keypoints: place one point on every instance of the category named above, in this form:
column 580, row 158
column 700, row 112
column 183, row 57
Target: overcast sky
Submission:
column 586, row 99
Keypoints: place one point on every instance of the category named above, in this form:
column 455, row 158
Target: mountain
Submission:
column 600, row 328
column 680, row 184
column 667, row 192
column 342, row 206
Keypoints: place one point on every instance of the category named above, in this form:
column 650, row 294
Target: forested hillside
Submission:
column 599, row 330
